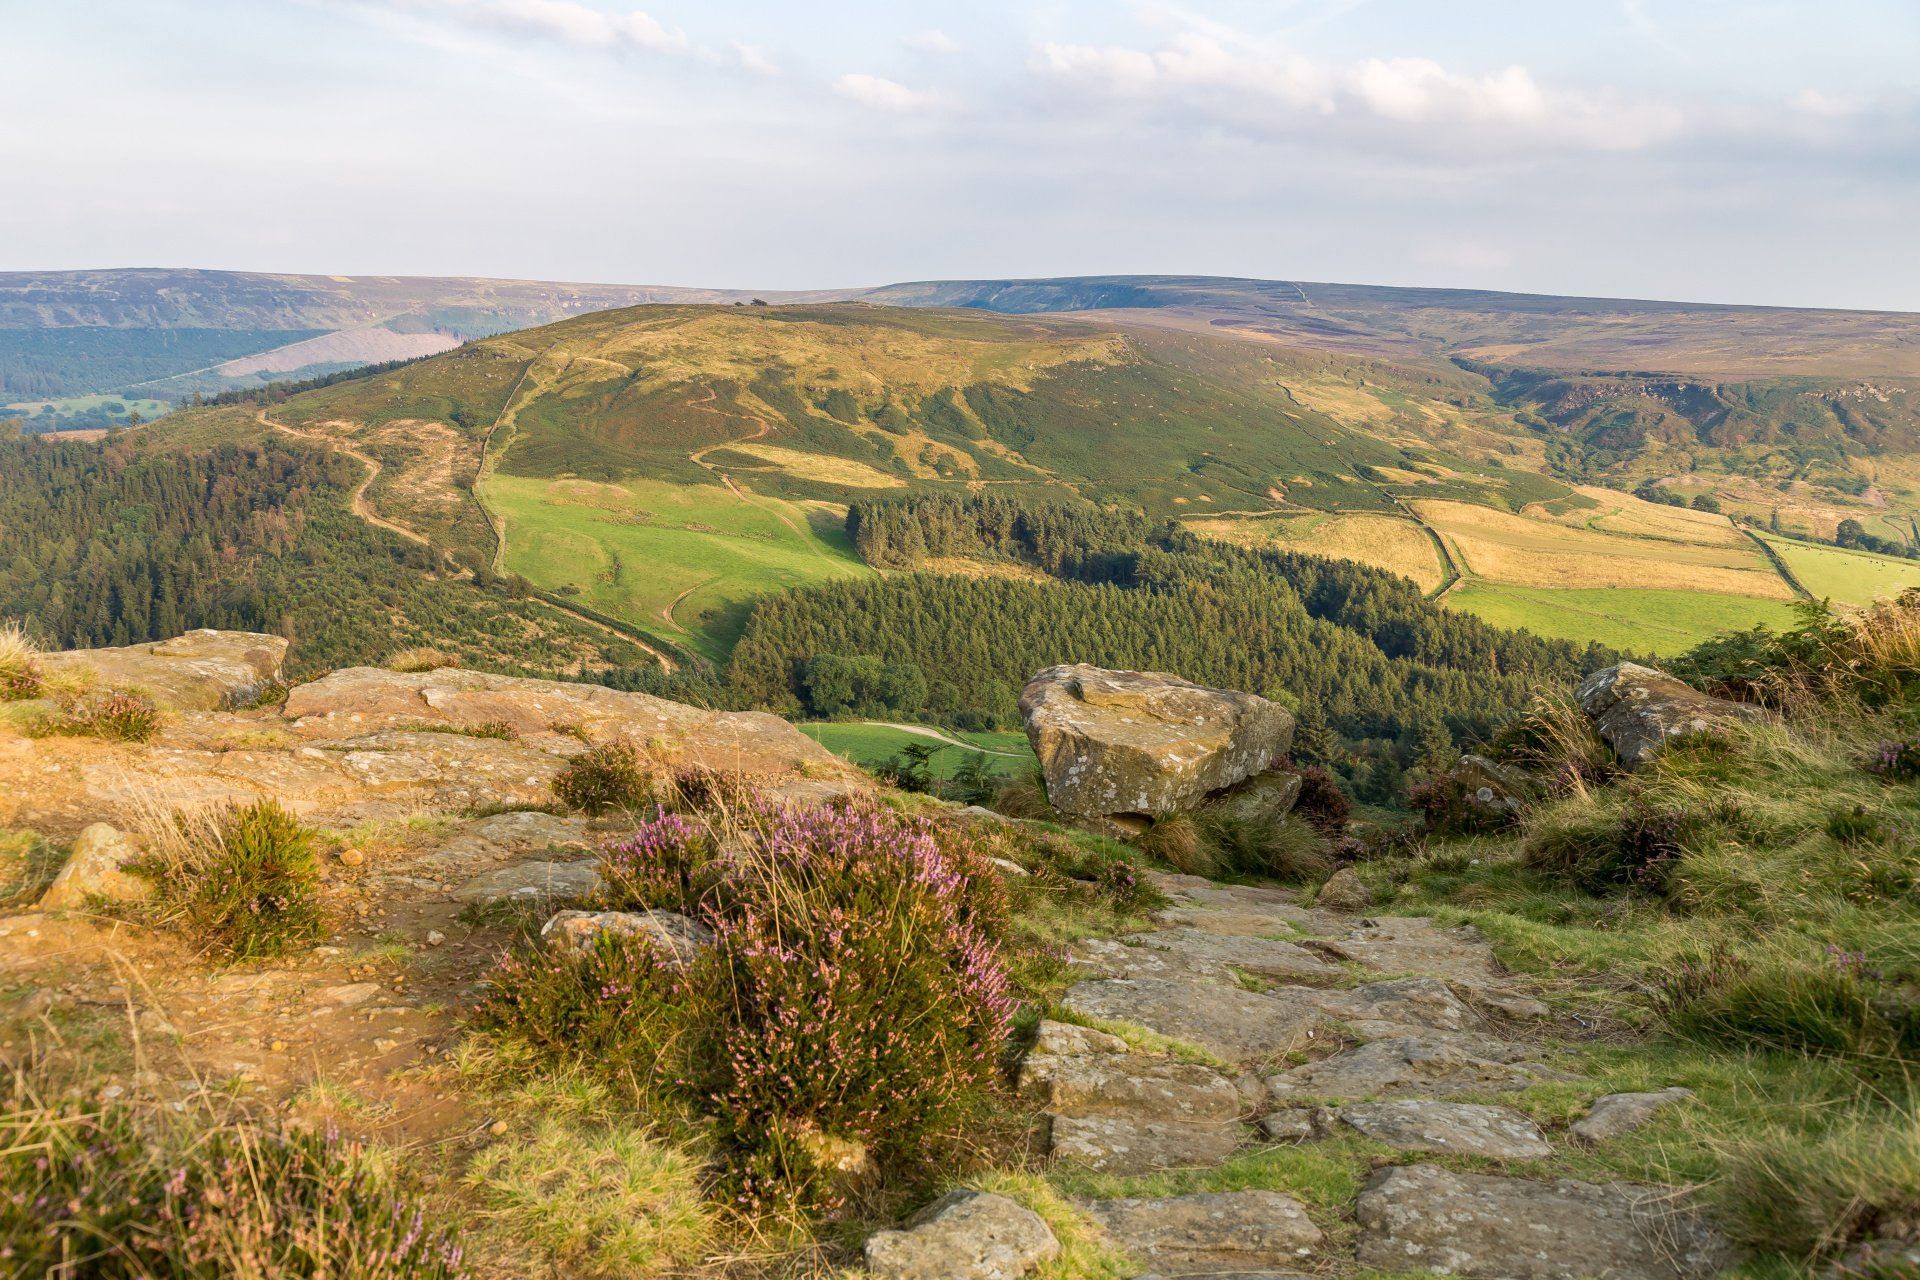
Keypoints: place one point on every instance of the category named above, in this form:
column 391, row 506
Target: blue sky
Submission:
column 1724, row 150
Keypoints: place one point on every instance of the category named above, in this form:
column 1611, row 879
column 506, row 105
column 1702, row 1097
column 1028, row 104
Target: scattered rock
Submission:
column 1423, row 1217
column 435, row 937
column 1129, row 1144
column 674, row 936
column 534, row 881
column 1622, row 1113
column 1298, row 1124
column 964, row 1235
column 198, row 671
column 352, row 858
column 1231, row 1024
column 1008, row 867
column 1514, row 1005
column 1142, row 742
column 1411, row 1065
column 1210, row 1233
column 347, row 996
column 93, row 871
column 1638, row 710
column 1449, row 1128
column 1344, row 891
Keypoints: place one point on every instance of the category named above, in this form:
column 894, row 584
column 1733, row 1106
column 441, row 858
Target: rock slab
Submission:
column 200, row 671
column 1231, row 1024
column 964, row 1235
column 93, row 871
column 1425, row 1218
column 677, row 939
column 1144, row 742
column 1449, row 1128
column 1638, row 710
column 1210, row 1233
column 1622, row 1113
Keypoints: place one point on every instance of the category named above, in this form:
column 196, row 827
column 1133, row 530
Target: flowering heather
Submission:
column 1897, row 760
column 137, row 1197
column 856, row 993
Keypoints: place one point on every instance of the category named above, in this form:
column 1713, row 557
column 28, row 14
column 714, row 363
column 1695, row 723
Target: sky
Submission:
column 1763, row 151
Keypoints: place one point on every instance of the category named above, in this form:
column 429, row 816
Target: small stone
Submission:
column 964, row 1235
column 385, row 1046
column 352, row 857
column 1345, row 891
column 498, row 1128
column 677, row 938
column 1622, row 1113
column 1063, row 1039
column 277, row 1046
column 1512, row 1004
column 435, row 937
column 1297, row 1124
column 352, row 993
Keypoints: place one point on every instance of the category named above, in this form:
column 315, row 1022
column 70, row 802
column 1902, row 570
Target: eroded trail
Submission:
column 359, row 503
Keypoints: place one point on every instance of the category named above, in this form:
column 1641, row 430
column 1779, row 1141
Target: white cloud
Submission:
column 755, row 59
column 1228, row 81
column 884, row 95
column 932, row 41
column 560, row 21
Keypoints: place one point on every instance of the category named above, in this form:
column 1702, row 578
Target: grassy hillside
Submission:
column 1845, row 576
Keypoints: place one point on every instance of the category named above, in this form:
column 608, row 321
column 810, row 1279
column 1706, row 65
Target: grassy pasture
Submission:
column 682, row 560
column 1844, row 576
column 1385, row 542
column 1521, row 551
column 1007, row 752
column 1638, row 620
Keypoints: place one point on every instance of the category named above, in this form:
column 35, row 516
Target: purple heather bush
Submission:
column 856, row 996
column 1896, row 760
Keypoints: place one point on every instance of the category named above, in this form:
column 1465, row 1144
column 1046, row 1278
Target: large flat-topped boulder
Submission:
column 1638, row 710
column 364, row 699
column 198, row 671
column 1143, row 742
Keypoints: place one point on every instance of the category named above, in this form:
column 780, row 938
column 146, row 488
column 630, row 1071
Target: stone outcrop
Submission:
column 1425, row 1218
column 198, row 671
column 1145, row 743
column 676, row 939
column 93, row 871
column 1638, row 710
column 964, row 1235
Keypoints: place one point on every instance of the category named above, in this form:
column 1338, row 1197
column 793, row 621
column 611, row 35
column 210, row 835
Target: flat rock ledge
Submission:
column 964, row 1235
column 1210, row 1234
column 1425, row 1218
column 1449, row 1128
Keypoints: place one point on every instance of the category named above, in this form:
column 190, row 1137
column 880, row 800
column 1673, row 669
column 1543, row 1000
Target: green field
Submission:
column 865, row 744
column 1843, row 576
column 1637, row 620
column 683, row 561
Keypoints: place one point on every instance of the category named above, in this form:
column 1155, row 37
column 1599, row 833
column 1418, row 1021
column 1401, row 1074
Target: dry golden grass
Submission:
column 1541, row 553
column 1384, row 542
column 966, row 567
column 1624, row 514
column 819, row 466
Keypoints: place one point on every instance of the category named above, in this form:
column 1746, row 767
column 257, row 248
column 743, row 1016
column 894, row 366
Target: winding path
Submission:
column 358, row 501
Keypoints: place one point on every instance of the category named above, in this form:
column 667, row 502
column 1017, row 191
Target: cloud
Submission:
column 755, row 59
column 558, row 21
column 932, row 41
column 1228, row 81
column 884, row 95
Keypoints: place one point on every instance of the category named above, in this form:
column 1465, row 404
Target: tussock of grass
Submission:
column 1809, row 1197
column 19, row 663
column 421, row 658
column 601, row 779
column 239, row 881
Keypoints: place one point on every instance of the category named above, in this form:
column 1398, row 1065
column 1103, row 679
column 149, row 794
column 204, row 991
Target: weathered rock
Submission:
column 365, row 699
column 1209, row 952
column 1145, row 743
column 198, row 671
column 1622, row 1113
column 1128, row 1144
column 1232, row 1024
column 1064, row 1039
column 1884, row 1257
column 1478, row 794
column 1415, row 944
column 1449, row 1128
column 93, row 871
column 1425, row 1218
column 1298, row 1124
column 533, row 881
column 1163, row 1088
column 677, row 939
column 964, row 1235
column 1344, row 891
column 1514, row 1004
column 1428, row 1067
column 1210, row 1233
column 1638, row 710
column 1396, row 1008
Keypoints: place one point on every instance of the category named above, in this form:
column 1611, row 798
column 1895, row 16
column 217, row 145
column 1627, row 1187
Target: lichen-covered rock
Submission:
column 360, row 700
column 536, row 880
column 1344, row 891
column 1226, row 1021
column 198, row 671
column 1622, row 1113
column 1425, row 1218
column 1475, row 795
column 964, row 1235
column 1128, row 1144
column 1429, row 1067
column 93, row 871
column 1449, row 1128
column 1638, row 710
column 1210, row 1233
column 1143, row 742
column 677, row 939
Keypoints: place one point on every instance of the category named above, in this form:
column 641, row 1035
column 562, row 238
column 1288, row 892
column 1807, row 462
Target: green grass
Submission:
column 1637, row 620
column 866, row 743
column 685, row 561
column 1846, row 577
